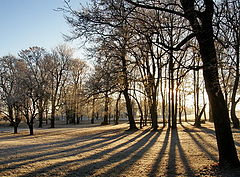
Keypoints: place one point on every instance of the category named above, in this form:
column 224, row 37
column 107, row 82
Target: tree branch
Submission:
column 155, row 8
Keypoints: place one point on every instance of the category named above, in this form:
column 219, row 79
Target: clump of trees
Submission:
column 159, row 49
column 38, row 81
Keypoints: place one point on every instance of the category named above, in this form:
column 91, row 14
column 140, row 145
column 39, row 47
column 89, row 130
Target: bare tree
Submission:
column 58, row 63
column 8, row 90
column 229, row 27
column 199, row 14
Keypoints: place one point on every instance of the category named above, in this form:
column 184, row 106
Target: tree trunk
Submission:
column 227, row 151
column 105, row 118
column 15, row 129
column 234, row 93
column 53, row 118
column 233, row 115
column 163, row 112
column 31, row 130
column 40, row 119
column 153, row 112
column 180, row 109
column 145, row 111
column 93, row 111
column 30, row 126
column 40, row 114
column 129, row 110
column 197, row 122
column 140, row 109
column 198, row 119
column 117, row 109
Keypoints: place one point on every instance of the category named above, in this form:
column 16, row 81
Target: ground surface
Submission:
column 112, row 151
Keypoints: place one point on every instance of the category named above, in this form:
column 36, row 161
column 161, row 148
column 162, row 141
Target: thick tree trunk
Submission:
column 227, row 151
column 31, row 130
column 15, row 129
column 153, row 113
column 129, row 110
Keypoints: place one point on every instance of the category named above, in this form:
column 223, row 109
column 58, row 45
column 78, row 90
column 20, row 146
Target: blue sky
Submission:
column 26, row 23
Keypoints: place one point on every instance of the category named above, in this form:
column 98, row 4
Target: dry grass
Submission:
column 112, row 151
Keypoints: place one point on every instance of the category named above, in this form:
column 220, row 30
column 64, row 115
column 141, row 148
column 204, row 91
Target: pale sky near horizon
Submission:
column 27, row 23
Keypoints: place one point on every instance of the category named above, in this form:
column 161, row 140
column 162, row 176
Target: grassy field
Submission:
column 92, row 150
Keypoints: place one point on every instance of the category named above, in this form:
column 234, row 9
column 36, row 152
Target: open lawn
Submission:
column 112, row 151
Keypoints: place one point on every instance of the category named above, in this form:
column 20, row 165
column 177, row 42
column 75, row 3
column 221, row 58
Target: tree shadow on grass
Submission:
column 76, row 139
column 132, row 155
column 95, row 156
column 50, row 153
column 174, row 146
column 200, row 145
column 155, row 166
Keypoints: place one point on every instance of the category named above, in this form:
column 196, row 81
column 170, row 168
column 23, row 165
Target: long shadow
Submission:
column 89, row 158
column 174, row 145
column 208, row 131
column 63, row 143
column 212, row 132
column 27, row 136
column 154, row 169
column 63, row 153
column 207, row 143
column 138, row 151
column 201, row 147
column 202, row 128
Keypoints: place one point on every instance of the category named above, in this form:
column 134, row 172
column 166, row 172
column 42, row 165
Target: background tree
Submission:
column 58, row 63
column 8, row 90
column 228, row 21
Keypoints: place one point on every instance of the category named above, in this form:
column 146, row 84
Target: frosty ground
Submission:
column 93, row 150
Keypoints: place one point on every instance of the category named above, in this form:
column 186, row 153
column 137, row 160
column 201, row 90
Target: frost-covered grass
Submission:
column 92, row 150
